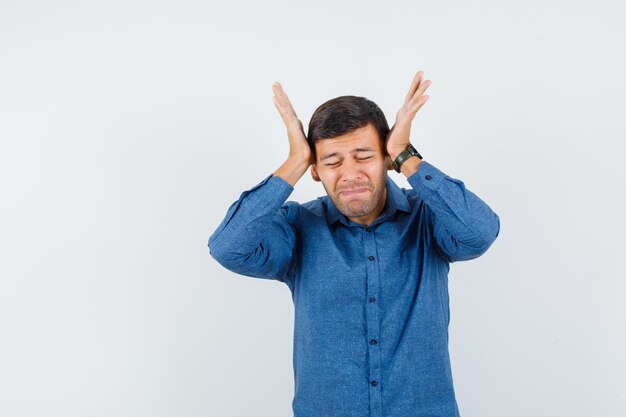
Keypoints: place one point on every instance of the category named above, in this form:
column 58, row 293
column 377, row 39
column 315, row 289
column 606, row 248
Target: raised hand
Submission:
column 298, row 146
column 399, row 136
column 300, row 155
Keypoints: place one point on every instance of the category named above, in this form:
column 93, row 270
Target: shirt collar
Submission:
column 396, row 200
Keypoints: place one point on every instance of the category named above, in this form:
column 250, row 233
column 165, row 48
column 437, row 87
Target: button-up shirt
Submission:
column 371, row 302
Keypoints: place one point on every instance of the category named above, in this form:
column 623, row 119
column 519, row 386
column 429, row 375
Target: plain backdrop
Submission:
column 127, row 128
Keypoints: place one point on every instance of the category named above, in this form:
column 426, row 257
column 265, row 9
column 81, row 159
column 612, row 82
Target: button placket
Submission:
column 373, row 322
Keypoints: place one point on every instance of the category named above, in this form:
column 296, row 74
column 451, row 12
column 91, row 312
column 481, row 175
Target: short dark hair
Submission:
column 344, row 114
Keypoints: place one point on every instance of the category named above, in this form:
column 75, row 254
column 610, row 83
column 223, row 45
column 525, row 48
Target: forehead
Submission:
column 359, row 139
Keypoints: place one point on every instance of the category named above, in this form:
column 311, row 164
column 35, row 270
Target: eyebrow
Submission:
column 366, row 149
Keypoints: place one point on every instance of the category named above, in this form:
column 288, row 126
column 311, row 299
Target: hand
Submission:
column 398, row 137
column 299, row 148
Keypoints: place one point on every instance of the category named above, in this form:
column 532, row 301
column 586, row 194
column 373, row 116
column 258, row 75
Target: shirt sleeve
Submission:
column 463, row 225
column 256, row 237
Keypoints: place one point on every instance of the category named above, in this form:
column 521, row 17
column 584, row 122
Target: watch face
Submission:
column 408, row 152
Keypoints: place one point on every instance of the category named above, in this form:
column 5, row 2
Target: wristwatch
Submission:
column 404, row 155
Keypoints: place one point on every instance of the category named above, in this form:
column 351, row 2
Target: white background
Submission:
column 127, row 128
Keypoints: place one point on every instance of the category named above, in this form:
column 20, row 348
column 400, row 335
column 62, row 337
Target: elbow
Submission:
column 223, row 256
column 236, row 258
column 477, row 246
column 217, row 251
column 488, row 232
column 494, row 230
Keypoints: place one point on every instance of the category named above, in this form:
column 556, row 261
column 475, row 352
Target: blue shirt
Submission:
column 371, row 303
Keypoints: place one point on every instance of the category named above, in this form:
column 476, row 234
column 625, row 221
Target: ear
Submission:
column 389, row 163
column 314, row 173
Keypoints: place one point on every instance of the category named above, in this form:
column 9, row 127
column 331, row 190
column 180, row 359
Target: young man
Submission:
column 367, row 264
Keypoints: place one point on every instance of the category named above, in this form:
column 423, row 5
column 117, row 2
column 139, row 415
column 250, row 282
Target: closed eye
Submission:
column 358, row 159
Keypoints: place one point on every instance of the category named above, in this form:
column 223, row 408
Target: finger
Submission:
column 419, row 93
column 280, row 108
column 279, row 102
column 414, row 85
column 419, row 104
column 284, row 107
column 279, row 94
column 283, row 99
column 422, row 102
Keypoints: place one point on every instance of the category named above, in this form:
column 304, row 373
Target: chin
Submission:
column 365, row 209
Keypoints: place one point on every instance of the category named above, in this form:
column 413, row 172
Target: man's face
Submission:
column 353, row 170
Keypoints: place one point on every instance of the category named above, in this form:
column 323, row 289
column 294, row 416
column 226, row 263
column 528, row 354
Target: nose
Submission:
column 350, row 171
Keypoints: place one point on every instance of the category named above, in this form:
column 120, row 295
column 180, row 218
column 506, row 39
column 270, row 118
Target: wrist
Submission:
column 404, row 156
column 396, row 151
column 292, row 169
column 410, row 166
column 300, row 158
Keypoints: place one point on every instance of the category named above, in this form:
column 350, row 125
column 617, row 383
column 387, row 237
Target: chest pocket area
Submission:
column 334, row 273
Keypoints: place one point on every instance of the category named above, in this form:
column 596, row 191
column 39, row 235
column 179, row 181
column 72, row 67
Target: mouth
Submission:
column 353, row 192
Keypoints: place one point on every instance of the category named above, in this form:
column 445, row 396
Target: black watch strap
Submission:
column 404, row 155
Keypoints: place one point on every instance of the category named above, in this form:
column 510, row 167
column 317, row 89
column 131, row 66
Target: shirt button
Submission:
column 373, row 342
column 372, row 299
column 371, row 258
column 374, row 383
column 367, row 229
column 428, row 177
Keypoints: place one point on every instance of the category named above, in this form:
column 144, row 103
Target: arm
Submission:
column 257, row 237
column 463, row 225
